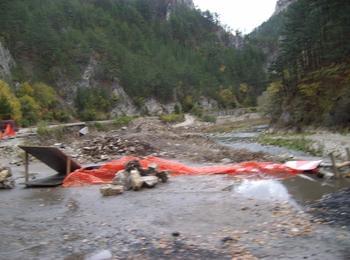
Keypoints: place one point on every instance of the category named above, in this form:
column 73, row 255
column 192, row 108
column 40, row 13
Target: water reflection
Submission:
column 263, row 190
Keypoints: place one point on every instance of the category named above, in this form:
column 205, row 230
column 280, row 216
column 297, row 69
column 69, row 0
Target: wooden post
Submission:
column 69, row 164
column 335, row 168
column 26, row 167
column 348, row 154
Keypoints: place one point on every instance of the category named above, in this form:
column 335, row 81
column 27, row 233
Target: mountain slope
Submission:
column 164, row 49
column 309, row 63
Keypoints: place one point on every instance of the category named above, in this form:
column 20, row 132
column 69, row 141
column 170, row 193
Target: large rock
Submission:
column 150, row 181
column 111, row 190
column 5, row 174
column 122, row 178
column 136, row 180
column 6, row 180
column 124, row 104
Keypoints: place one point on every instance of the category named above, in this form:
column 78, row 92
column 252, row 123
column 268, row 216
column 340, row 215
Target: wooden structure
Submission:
column 52, row 157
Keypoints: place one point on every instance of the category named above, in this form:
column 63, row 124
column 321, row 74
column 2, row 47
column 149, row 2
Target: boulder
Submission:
column 136, row 180
column 5, row 174
column 111, row 190
column 122, row 178
column 163, row 176
column 150, row 181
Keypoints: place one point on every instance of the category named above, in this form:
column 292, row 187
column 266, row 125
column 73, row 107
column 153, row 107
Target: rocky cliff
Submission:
column 6, row 62
column 282, row 5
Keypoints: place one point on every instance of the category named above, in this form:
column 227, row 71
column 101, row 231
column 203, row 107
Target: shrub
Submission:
column 172, row 118
column 42, row 129
column 30, row 110
column 208, row 118
column 10, row 107
column 122, row 121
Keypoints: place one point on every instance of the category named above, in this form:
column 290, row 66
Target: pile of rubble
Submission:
column 103, row 148
column 6, row 180
column 134, row 178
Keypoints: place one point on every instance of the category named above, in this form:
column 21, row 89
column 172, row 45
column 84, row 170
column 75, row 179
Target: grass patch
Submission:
column 236, row 126
column 172, row 118
column 45, row 132
column 208, row 118
column 298, row 143
column 122, row 121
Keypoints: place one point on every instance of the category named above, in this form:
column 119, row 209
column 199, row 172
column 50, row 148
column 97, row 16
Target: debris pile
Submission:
column 6, row 180
column 133, row 177
column 103, row 148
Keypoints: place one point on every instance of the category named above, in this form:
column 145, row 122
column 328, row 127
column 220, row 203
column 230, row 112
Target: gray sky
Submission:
column 243, row 15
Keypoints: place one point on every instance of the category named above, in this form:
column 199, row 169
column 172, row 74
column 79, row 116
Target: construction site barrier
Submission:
column 9, row 132
column 105, row 173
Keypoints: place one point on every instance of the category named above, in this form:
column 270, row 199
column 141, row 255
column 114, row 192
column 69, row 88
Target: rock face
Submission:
column 283, row 5
column 208, row 104
column 6, row 63
column 124, row 105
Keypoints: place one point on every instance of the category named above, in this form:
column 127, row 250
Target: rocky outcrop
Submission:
column 124, row 104
column 154, row 107
column 283, row 5
column 171, row 5
column 6, row 63
column 208, row 104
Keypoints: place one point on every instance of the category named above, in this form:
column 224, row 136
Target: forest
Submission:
column 186, row 55
column 310, row 77
column 295, row 65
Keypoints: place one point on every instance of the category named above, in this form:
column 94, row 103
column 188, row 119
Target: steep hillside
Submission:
column 92, row 51
column 309, row 55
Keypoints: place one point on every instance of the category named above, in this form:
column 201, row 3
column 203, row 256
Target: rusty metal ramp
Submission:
column 55, row 159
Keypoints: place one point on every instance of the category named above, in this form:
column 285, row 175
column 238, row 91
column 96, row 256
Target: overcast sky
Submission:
column 243, row 15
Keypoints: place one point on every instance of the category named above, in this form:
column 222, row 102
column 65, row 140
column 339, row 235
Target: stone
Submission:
column 226, row 160
column 122, row 178
column 6, row 180
column 164, row 176
column 104, row 157
column 111, row 190
column 4, row 174
column 136, row 180
column 150, row 181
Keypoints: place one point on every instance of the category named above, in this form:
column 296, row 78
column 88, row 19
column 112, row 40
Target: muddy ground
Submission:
column 207, row 217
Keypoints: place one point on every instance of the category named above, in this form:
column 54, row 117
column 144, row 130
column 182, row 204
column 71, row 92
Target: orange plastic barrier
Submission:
column 106, row 172
column 9, row 131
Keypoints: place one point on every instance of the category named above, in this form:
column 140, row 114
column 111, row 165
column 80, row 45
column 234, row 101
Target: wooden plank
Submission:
column 69, row 165
column 52, row 157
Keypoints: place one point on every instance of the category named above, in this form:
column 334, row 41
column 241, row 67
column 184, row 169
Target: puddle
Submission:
column 295, row 190
column 271, row 190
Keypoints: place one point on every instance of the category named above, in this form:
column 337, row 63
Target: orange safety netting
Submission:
column 106, row 172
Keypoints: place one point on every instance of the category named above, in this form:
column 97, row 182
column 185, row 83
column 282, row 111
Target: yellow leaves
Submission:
column 10, row 105
column 244, row 88
column 226, row 96
column 25, row 89
column 309, row 90
column 274, row 87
